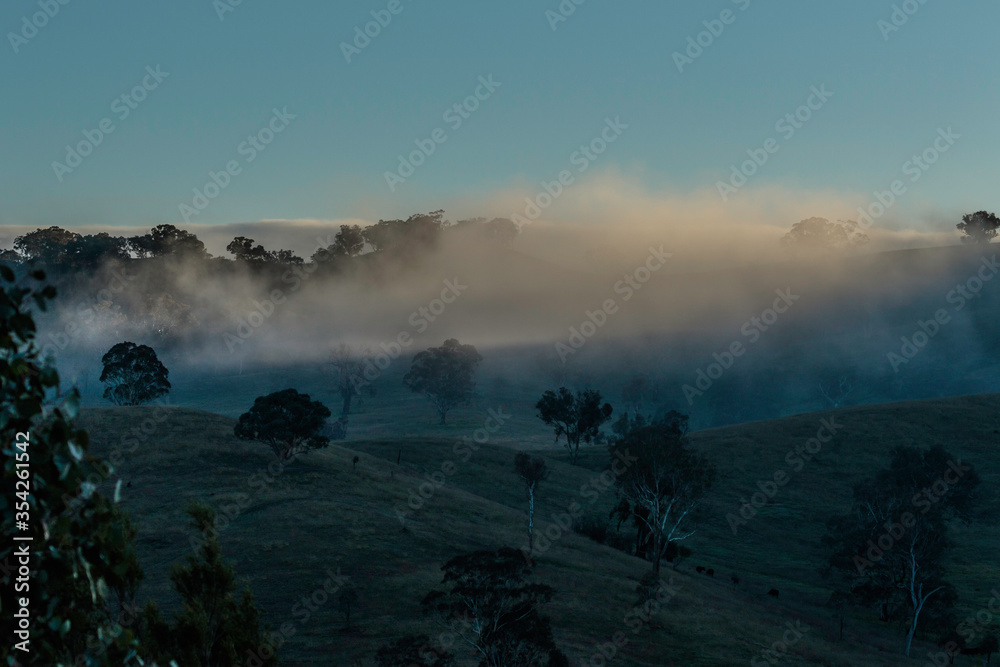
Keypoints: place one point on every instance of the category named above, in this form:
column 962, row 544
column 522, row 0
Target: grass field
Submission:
column 289, row 531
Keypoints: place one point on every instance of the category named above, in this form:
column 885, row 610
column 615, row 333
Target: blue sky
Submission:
column 891, row 94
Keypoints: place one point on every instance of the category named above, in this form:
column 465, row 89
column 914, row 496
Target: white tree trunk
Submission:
column 531, row 517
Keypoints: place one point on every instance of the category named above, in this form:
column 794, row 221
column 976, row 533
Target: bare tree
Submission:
column 635, row 391
column 836, row 392
column 918, row 598
column 348, row 364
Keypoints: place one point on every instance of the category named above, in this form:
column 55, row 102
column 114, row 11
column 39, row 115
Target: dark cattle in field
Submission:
column 773, row 592
column 710, row 572
column 699, row 569
column 987, row 647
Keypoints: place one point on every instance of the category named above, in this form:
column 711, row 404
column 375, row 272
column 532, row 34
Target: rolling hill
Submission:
column 290, row 532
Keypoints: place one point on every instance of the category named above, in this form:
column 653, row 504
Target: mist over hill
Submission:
column 756, row 340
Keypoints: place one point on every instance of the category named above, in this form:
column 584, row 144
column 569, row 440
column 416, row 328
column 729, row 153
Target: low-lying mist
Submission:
column 729, row 330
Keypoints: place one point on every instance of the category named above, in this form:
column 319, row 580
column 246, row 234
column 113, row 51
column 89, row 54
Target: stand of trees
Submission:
column 60, row 249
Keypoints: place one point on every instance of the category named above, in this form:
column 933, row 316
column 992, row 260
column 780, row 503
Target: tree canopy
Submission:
column 502, row 623
column 133, row 374
column 47, row 246
column 287, row 421
column 660, row 479
column 349, row 242
column 168, row 240
column 445, row 374
column 418, row 232
column 244, row 250
column 979, row 227
column 819, row 234
column 577, row 418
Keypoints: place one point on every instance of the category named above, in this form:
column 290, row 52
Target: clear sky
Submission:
column 228, row 67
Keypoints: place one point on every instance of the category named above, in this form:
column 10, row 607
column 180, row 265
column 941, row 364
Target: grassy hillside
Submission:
column 319, row 515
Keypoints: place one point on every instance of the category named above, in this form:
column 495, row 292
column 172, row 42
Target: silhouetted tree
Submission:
column 167, row 240
column 47, row 246
column 348, row 242
column 821, row 234
column 533, row 471
column 890, row 549
column 244, row 250
column 979, row 227
column 348, row 364
column 287, row 421
column 497, row 610
column 92, row 251
column 416, row 233
column 214, row 628
column 124, row 580
column 286, row 257
column 133, row 374
column 140, row 245
column 577, row 418
column 661, row 479
column 445, row 374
